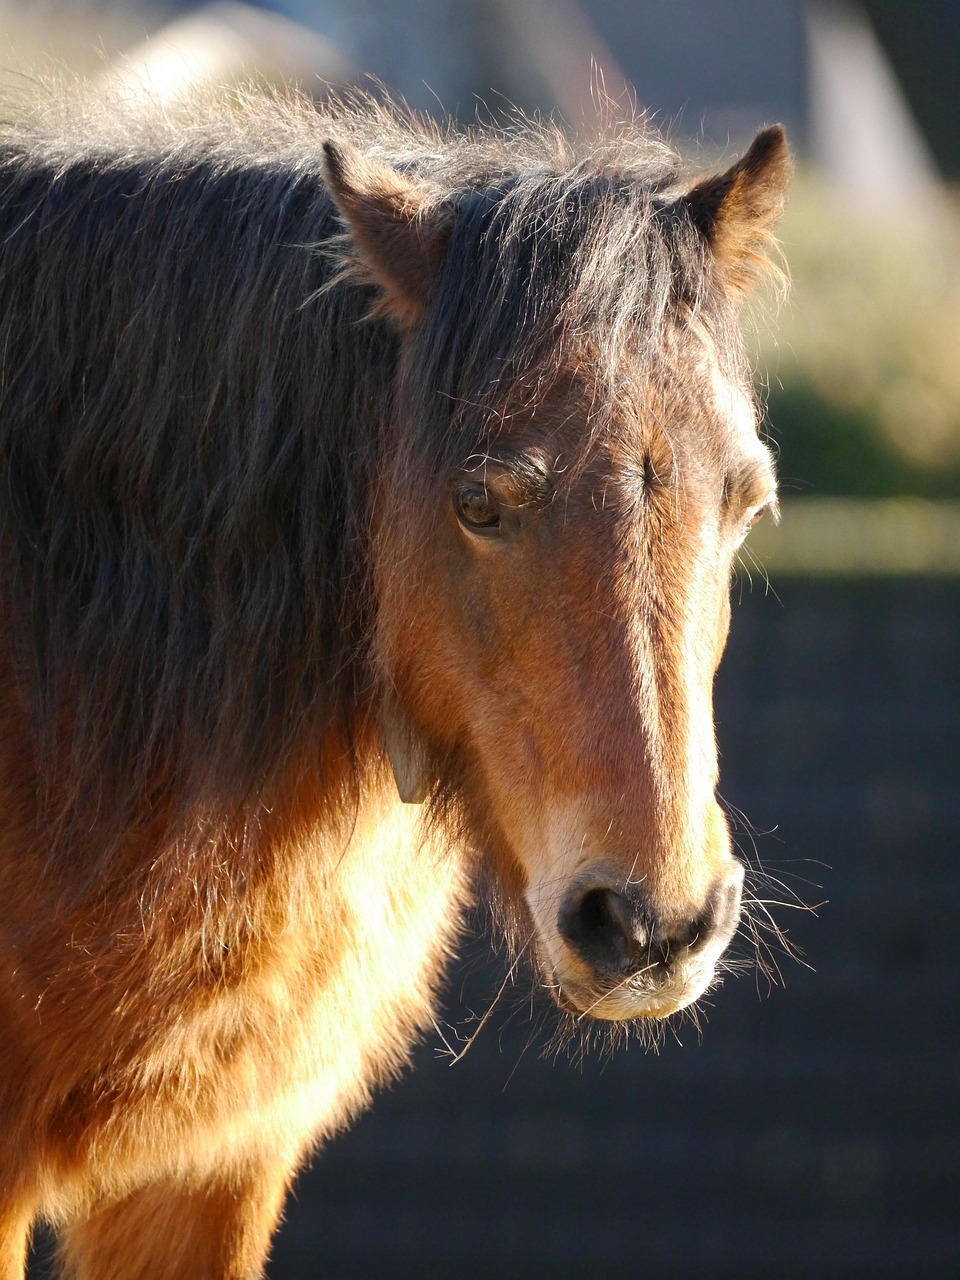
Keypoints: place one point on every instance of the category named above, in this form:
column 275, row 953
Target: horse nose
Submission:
column 617, row 931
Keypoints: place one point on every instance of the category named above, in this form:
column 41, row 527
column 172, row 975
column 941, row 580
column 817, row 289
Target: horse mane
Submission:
column 195, row 405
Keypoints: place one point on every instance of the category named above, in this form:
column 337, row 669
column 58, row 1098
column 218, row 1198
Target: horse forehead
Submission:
column 730, row 395
column 735, row 409
column 690, row 405
column 696, row 417
column 694, row 393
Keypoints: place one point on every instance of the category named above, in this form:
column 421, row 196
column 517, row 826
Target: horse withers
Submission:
column 370, row 499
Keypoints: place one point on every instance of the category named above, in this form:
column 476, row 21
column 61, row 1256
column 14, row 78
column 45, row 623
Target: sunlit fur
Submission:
column 231, row 413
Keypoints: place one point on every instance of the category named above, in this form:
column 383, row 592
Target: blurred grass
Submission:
column 857, row 537
column 863, row 362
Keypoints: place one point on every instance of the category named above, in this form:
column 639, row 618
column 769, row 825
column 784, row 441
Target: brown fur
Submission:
column 449, row 469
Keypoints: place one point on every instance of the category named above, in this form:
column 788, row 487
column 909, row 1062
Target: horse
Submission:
column 370, row 495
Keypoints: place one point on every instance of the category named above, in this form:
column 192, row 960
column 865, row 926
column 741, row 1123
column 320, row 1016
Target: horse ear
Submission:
column 736, row 211
column 401, row 235
column 407, row 753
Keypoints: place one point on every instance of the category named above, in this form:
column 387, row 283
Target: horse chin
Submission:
column 631, row 1000
column 619, row 1006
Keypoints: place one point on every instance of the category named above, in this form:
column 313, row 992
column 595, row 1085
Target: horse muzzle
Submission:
column 613, row 955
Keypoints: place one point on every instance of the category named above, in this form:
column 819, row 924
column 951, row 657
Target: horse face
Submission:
column 568, row 624
column 549, row 633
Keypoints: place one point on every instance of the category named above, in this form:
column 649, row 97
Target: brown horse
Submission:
column 369, row 500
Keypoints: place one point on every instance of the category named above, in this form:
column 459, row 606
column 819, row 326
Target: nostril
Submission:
column 718, row 920
column 693, row 932
column 602, row 911
column 617, row 931
column 604, row 928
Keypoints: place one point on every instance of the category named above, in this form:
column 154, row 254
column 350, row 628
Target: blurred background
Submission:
column 810, row 1127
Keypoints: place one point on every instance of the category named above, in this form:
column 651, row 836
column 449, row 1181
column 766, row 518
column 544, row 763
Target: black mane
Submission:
column 194, row 406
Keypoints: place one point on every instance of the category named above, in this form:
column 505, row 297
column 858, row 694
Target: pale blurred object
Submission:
column 572, row 58
column 222, row 43
column 52, row 36
column 863, row 137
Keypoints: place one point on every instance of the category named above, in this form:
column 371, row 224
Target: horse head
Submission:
column 575, row 460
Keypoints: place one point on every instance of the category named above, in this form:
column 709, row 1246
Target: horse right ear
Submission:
column 400, row 234
column 736, row 211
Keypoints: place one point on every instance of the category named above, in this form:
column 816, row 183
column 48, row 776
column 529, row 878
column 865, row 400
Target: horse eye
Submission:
column 756, row 515
column 476, row 510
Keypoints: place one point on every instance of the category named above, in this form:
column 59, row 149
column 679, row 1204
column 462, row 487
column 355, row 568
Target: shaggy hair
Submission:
column 268, row 378
column 196, row 404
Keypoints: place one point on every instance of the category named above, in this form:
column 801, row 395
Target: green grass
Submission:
column 857, row 537
column 862, row 364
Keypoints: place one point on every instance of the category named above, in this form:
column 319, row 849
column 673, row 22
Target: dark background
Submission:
column 811, row 1131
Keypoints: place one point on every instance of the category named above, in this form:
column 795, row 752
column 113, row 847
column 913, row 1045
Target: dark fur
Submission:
column 191, row 414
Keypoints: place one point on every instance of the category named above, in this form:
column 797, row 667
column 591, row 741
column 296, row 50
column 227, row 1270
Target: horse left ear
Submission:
column 401, row 235
column 736, row 211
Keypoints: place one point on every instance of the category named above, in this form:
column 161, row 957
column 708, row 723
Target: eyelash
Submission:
column 754, row 516
column 752, row 519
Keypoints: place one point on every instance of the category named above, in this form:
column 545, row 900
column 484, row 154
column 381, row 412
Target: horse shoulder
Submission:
column 206, row 1018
